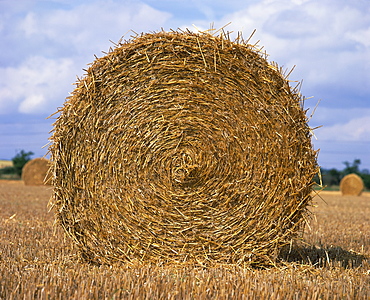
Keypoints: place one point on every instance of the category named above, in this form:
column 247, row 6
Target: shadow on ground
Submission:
column 322, row 256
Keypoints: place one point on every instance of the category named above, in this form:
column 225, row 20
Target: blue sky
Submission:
column 45, row 45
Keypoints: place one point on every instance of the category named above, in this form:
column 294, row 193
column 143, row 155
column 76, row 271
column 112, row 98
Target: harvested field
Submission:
column 36, row 262
column 5, row 163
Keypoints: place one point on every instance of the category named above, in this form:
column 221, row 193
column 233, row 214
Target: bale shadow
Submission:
column 322, row 256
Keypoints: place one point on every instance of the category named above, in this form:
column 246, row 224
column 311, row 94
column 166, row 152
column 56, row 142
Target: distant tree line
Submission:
column 332, row 177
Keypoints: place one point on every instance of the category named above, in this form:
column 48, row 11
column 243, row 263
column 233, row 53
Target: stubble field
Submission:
column 38, row 262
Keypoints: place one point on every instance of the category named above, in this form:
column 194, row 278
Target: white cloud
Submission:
column 32, row 102
column 362, row 36
column 58, row 43
column 329, row 115
column 327, row 40
column 36, row 85
column 29, row 25
column 91, row 25
column 354, row 130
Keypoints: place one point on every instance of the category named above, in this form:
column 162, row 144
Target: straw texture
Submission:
column 351, row 185
column 35, row 172
column 182, row 147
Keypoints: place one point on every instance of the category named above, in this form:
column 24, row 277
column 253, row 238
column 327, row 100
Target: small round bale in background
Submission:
column 35, row 172
column 182, row 147
column 351, row 185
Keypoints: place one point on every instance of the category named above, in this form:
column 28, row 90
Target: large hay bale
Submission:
column 179, row 146
column 35, row 172
column 351, row 185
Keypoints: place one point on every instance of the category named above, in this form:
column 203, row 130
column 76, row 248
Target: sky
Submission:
column 45, row 45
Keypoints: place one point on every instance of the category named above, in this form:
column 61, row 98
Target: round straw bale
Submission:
column 182, row 147
column 35, row 172
column 351, row 185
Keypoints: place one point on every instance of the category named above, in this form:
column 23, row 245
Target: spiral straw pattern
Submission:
column 183, row 147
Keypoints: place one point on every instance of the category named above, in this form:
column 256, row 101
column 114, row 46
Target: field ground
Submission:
column 5, row 163
column 37, row 262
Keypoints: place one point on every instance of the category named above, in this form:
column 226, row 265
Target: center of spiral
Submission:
column 184, row 169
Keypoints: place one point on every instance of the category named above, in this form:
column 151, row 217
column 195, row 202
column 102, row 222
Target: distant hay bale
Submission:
column 35, row 172
column 351, row 185
column 182, row 147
